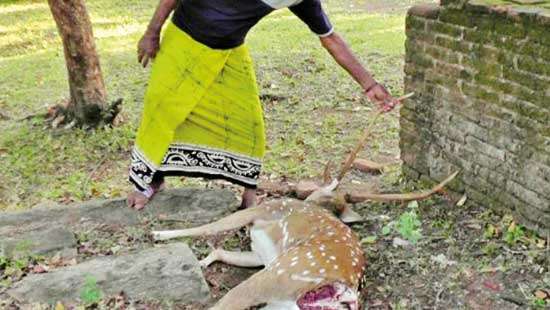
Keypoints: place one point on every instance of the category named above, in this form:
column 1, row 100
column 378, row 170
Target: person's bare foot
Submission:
column 248, row 198
column 138, row 200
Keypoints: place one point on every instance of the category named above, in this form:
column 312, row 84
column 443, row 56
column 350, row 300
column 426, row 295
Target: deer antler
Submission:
column 400, row 197
column 363, row 141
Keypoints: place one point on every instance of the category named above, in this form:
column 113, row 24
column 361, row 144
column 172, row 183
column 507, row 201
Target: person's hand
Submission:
column 148, row 48
column 381, row 96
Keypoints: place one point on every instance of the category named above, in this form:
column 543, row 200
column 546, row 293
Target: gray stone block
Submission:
column 168, row 272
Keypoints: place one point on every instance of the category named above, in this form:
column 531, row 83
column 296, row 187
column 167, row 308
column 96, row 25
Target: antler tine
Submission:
column 407, row 196
column 326, row 173
column 363, row 141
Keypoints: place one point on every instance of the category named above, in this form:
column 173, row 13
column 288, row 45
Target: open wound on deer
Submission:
column 312, row 260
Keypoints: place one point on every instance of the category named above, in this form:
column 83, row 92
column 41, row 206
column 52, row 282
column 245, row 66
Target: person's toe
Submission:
column 139, row 205
column 130, row 201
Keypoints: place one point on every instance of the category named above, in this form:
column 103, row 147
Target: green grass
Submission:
column 319, row 116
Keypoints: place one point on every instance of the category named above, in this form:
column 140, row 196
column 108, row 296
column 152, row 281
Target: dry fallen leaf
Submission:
column 542, row 294
column 462, row 201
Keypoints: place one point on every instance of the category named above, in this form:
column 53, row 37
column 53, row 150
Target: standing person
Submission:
column 202, row 115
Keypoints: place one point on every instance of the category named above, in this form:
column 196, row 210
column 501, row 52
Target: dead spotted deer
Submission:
column 312, row 259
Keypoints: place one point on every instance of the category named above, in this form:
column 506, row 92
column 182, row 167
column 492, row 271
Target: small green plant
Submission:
column 514, row 233
column 90, row 293
column 408, row 226
column 490, row 231
column 490, row 249
column 539, row 303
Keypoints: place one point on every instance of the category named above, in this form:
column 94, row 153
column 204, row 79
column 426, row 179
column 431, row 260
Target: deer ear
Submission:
column 323, row 192
column 350, row 216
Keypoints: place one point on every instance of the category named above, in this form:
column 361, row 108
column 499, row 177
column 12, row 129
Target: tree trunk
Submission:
column 87, row 89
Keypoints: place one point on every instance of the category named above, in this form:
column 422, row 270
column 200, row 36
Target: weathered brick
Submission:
column 484, row 108
column 532, row 176
column 527, row 195
column 455, row 44
column 525, row 108
column 445, row 28
column 479, row 145
column 533, row 65
column 416, row 23
column 479, row 92
column 525, row 78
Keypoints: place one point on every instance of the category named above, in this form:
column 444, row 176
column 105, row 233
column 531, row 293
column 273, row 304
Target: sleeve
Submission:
column 312, row 14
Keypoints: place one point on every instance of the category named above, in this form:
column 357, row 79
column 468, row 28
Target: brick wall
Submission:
column 482, row 78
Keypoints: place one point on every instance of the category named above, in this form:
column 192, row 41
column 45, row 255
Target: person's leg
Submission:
column 248, row 198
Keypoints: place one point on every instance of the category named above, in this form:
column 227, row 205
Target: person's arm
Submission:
column 149, row 44
column 343, row 55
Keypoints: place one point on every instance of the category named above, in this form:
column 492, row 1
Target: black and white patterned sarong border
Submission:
column 141, row 170
column 194, row 160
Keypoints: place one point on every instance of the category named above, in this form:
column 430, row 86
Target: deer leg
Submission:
column 265, row 286
column 240, row 259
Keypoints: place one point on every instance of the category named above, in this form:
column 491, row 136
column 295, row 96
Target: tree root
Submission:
column 63, row 115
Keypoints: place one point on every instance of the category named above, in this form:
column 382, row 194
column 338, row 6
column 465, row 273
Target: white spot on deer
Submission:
column 323, row 254
column 280, row 272
column 294, row 263
column 306, row 279
column 313, row 264
column 322, row 270
column 335, row 267
column 305, row 272
column 332, row 257
column 295, row 258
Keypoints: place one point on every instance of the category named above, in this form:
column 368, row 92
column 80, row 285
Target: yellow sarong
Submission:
column 202, row 115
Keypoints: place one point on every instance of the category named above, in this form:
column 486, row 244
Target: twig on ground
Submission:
column 512, row 300
column 167, row 219
column 31, row 116
column 326, row 173
column 4, row 117
column 522, row 252
column 438, row 297
column 85, row 184
column 523, row 291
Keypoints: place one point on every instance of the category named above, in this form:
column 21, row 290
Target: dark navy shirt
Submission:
column 223, row 24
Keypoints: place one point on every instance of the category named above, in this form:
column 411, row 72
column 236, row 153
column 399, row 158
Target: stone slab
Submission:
column 51, row 241
column 169, row 272
column 197, row 206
